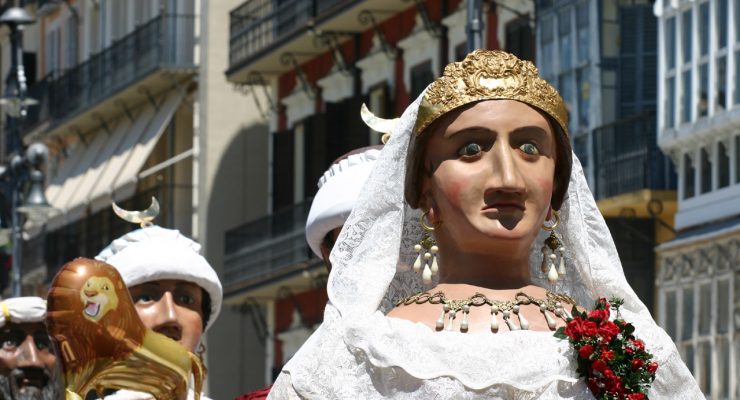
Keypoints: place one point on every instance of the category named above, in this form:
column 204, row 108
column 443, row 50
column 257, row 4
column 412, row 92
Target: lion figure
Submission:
column 99, row 297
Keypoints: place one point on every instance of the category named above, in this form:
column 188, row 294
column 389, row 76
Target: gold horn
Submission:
column 143, row 218
column 382, row 125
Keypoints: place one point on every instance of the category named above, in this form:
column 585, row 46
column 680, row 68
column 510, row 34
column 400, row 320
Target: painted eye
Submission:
column 470, row 150
column 187, row 300
column 529, row 148
column 105, row 287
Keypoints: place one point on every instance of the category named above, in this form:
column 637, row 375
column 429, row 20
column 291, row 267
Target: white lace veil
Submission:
column 360, row 353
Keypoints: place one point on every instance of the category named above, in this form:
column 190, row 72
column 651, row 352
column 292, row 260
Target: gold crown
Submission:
column 489, row 75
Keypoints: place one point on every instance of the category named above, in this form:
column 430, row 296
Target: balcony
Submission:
column 627, row 158
column 267, row 249
column 164, row 44
column 262, row 30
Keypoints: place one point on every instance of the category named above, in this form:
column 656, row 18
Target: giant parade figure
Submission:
column 129, row 324
column 473, row 249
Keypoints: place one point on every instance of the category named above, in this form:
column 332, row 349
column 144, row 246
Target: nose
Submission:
column 166, row 310
column 91, row 293
column 506, row 174
column 28, row 355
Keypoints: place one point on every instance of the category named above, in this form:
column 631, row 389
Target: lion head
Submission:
column 98, row 296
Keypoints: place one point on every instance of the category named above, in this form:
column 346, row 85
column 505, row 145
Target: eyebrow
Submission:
column 470, row 129
column 482, row 129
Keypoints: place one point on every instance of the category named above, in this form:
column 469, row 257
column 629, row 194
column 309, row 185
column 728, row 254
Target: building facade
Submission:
column 698, row 276
column 311, row 64
column 133, row 103
column 602, row 58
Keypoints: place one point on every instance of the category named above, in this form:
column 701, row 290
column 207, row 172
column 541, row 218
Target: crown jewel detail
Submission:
column 489, row 75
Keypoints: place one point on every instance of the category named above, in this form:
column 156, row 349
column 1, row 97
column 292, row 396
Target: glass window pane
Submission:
column 705, row 308
column 688, row 357
column 566, row 49
column 737, row 74
column 670, row 42
column 546, row 65
column 583, row 36
column 686, row 90
column 688, row 177
column 584, row 89
column 705, row 360
column 723, row 362
column 703, row 105
column 737, row 23
column 737, row 166
column 723, row 166
column 688, row 314
column 670, row 103
column 686, row 29
column 721, row 23
column 566, row 87
column 670, row 314
column 704, row 28
column 706, row 171
column 723, row 306
column 721, row 91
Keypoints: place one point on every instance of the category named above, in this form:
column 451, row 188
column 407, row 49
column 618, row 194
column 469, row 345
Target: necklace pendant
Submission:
column 494, row 319
column 440, row 324
column 523, row 323
column 509, row 323
column 550, row 320
column 464, row 323
column 450, row 321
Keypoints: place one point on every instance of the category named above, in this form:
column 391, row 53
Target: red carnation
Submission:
column 637, row 364
column 574, row 329
column 599, row 315
column 652, row 367
column 607, row 355
column 589, row 328
column 639, row 344
column 608, row 331
column 594, row 386
column 586, row 351
column 636, row 396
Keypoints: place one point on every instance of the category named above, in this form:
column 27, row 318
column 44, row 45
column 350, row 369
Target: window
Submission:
column 721, row 93
column 737, row 159
column 670, row 56
column 461, row 50
column 723, row 166
column 52, row 54
column 583, row 35
column 421, row 76
column 686, row 108
column 547, row 66
column 564, row 39
column 584, row 89
column 688, row 177
column 686, row 88
column 71, row 33
column 520, row 38
column 721, row 23
column 703, row 105
column 670, row 101
column 686, row 32
column 670, row 43
column 706, row 171
column 704, row 28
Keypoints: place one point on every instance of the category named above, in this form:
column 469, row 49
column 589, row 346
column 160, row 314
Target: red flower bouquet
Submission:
column 611, row 359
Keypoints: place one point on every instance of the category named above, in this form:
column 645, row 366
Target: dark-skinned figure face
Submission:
column 28, row 367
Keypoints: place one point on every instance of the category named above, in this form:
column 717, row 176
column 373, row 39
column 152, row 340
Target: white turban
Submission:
column 338, row 190
column 22, row 310
column 155, row 253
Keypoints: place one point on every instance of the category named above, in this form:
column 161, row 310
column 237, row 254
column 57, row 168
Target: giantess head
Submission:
column 490, row 155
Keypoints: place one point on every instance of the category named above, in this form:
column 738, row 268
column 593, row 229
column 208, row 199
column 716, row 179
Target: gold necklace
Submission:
column 552, row 304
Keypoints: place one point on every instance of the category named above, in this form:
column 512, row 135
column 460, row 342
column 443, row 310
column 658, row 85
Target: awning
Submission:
column 107, row 168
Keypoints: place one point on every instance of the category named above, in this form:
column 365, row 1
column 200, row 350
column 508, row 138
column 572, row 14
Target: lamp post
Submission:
column 23, row 164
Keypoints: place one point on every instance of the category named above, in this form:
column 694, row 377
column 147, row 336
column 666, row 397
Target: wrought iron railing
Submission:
column 627, row 158
column 267, row 247
column 258, row 24
column 167, row 41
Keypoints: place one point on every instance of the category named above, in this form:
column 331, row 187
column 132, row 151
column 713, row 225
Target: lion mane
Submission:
column 115, row 327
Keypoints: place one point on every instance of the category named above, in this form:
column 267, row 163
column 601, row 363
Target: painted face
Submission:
column 27, row 363
column 491, row 169
column 172, row 308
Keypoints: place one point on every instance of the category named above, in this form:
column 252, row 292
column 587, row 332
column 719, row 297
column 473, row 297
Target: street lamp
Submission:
column 23, row 164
